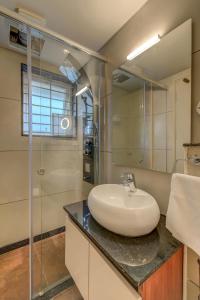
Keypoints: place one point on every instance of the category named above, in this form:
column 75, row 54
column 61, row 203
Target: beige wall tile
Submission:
column 63, row 171
column 14, row 221
column 10, row 126
column 120, row 129
column 170, row 96
column 52, row 212
column 48, row 214
column 159, row 101
column 171, row 130
column 159, row 131
column 136, row 132
column 171, row 161
column 159, row 160
column 10, row 78
column 13, row 176
column 148, row 132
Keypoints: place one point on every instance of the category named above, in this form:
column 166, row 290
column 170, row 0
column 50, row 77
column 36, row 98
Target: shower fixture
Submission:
column 68, row 69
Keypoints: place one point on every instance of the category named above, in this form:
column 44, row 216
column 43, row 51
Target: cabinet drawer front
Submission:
column 105, row 282
column 76, row 257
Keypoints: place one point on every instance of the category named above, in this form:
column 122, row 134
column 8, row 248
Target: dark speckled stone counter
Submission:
column 135, row 258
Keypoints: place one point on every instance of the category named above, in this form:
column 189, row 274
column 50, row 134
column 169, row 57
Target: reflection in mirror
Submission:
column 151, row 112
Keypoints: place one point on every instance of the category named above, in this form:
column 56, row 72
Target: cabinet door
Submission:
column 76, row 256
column 105, row 282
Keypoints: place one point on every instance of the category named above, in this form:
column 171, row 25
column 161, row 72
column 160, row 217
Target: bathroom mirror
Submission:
column 151, row 105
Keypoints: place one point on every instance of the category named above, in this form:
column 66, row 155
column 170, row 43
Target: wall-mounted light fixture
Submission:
column 82, row 91
column 148, row 44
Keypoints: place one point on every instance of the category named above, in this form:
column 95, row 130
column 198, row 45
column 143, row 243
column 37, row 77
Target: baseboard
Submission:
column 36, row 238
column 56, row 290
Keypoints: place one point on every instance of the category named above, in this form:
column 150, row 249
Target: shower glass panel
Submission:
column 14, row 153
column 64, row 127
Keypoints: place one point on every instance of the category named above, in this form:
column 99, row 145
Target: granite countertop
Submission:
column 135, row 258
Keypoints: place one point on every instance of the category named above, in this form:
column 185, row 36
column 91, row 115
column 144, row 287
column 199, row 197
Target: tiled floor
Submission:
column 48, row 266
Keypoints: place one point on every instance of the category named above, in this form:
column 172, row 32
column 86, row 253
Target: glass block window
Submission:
column 53, row 104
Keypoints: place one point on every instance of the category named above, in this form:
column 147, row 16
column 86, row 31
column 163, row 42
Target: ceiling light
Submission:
column 82, row 91
column 148, row 44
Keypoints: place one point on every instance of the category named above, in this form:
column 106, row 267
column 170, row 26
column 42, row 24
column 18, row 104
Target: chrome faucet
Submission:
column 128, row 180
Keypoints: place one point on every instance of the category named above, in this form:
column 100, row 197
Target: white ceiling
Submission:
column 89, row 22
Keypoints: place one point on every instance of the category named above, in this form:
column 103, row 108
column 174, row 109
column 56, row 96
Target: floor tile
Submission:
column 48, row 268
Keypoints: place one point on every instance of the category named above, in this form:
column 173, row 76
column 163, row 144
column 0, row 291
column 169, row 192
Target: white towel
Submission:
column 183, row 215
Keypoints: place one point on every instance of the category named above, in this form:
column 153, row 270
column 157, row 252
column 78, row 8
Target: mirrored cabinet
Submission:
column 151, row 105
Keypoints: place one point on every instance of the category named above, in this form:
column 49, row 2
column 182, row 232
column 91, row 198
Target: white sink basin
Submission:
column 123, row 212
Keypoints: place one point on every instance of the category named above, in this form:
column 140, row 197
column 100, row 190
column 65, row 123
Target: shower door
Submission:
column 61, row 119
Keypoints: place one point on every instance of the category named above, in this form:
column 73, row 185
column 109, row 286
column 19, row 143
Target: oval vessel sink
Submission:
column 123, row 212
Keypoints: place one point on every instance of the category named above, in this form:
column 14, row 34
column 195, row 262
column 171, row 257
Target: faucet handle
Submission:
column 130, row 176
column 128, row 180
column 127, row 177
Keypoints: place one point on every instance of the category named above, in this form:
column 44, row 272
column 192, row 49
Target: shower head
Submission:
column 69, row 70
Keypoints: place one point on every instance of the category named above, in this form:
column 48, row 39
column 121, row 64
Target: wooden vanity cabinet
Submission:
column 167, row 282
column 98, row 279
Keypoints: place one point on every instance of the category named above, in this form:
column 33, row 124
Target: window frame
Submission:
column 39, row 72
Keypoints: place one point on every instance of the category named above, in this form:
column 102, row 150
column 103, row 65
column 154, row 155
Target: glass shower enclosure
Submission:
column 58, row 126
column 61, row 116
